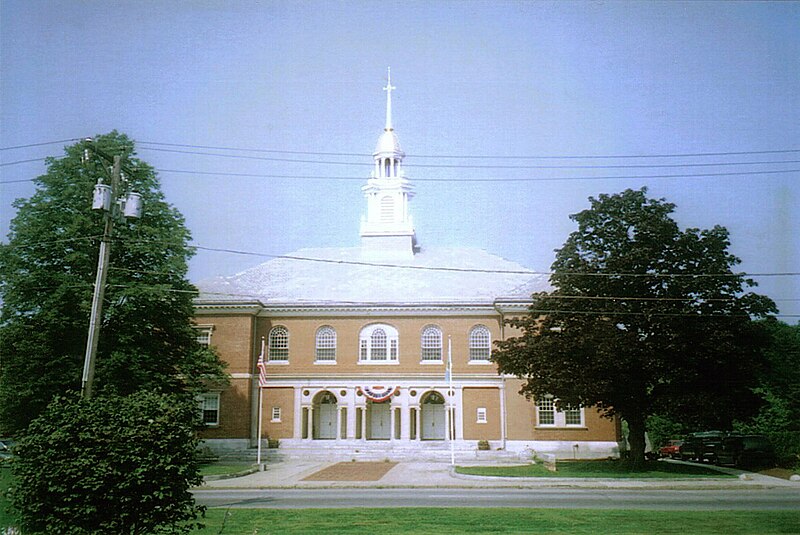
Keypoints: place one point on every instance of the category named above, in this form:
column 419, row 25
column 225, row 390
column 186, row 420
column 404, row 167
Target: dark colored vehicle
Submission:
column 746, row 451
column 701, row 446
column 672, row 449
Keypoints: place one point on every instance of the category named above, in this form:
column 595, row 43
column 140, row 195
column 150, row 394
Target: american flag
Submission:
column 262, row 368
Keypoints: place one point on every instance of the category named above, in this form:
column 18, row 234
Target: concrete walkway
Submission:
column 290, row 474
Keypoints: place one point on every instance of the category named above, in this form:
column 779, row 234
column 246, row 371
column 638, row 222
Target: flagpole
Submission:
column 261, row 380
column 451, row 393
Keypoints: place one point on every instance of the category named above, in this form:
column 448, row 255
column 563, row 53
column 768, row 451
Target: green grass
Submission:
column 216, row 469
column 6, row 519
column 505, row 520
column 608, row 469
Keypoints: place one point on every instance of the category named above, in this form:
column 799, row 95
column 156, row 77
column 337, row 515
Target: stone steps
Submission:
column 330, row 451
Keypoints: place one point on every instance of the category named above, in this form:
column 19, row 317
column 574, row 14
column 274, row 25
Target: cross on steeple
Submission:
column 389, row 87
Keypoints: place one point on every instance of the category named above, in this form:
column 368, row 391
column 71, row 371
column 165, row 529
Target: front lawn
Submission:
column 425, row 521
column 217, row 469
column 606, row 469
column 6, row 520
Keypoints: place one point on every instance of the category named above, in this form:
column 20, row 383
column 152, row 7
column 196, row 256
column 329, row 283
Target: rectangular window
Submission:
column 393, row 349
column 546, row 410
column 573, row 416
column 276, row 414
column 549, row 416
column 209, row 407
column 203, row 335
column 363, row 350
column 481, row 416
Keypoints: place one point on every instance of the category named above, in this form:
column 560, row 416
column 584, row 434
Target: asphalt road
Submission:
column 782, row 499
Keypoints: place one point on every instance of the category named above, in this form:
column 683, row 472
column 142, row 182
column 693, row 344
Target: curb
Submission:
column 218, row 477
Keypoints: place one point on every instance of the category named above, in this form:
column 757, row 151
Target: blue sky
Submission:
column 494, row 79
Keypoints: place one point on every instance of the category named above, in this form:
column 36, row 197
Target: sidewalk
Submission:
column 291, row 474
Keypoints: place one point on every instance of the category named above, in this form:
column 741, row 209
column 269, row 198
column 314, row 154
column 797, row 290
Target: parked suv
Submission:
column 701, row 446
column 746, row 450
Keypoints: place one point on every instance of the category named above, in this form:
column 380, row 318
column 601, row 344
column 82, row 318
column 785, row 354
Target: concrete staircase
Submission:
column 376, row 450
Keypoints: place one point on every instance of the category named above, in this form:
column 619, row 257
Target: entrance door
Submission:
column 380, row 420
column 325, row 417
column 327, row 421
column 433, row 425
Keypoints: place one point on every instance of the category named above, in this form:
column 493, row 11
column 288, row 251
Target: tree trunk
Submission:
column 636, row 430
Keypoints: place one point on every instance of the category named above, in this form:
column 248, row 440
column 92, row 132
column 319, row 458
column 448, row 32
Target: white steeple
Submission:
column 387, row 228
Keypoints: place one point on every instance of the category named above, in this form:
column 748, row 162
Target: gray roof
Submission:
column 350, row 275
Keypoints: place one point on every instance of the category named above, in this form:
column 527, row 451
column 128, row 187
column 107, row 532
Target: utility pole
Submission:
column 106, row 199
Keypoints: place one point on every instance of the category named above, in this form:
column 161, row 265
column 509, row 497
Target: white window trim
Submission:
column 270, row 359
column 392, row 339
column 204, row 329
column 273, row 418
column 488, row 359
column 423, row 348
column 480, row 416
column 560, row 419
column 202, row 401
column 325, row 362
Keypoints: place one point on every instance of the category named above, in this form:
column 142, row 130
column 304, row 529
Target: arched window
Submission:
column 326, row 344
column 480, row 343
column 378, row 343
column 278, row 344
column 431, row 343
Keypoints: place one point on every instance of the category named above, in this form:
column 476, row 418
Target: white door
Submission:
column 380, row 421
column 433, row 426
column 327, row 421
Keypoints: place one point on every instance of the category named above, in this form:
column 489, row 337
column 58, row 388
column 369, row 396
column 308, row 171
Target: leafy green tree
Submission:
column 110, row 464
column 779, row 386
column 47, row 272
column 644, row 319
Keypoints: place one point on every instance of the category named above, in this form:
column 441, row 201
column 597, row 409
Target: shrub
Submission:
column 109, row 465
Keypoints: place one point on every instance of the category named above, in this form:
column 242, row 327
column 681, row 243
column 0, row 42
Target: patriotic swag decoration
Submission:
column 378, row 394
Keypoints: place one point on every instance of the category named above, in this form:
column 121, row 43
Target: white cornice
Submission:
column 311, row 309
column 207, row 307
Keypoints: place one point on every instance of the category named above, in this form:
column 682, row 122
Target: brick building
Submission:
column 358, row 339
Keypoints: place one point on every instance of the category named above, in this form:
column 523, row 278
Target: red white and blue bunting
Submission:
column 378, row 394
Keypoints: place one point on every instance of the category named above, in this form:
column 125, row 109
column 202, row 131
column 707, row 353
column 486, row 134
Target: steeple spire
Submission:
column 389, row 87
column 387, row 227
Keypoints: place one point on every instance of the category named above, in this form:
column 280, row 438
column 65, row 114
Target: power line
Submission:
column 463, row 166
column 272, row 151
column 62, row 240
column 566, row 297
column 504, row 179
column 464, row 180
column 488, row 271
column 40, row 144
column 23, row 161
column 484, row 157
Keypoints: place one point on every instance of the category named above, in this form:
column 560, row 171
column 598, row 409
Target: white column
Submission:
column 459, row 413
column 352, row 414
column 405, row 419
column 417, row 424
column 338, row 422
column 310, row 423
column 447, row 411
column 298, row 414
column 364, row 422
